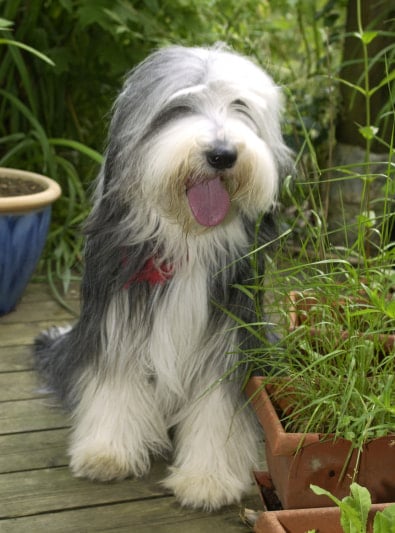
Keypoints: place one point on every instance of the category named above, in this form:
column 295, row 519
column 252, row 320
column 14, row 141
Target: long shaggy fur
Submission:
column 146, row 357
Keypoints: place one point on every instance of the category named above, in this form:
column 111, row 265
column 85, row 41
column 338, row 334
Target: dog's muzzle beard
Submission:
column 207, row 188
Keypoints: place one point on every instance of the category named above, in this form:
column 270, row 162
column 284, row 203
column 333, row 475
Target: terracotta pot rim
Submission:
column 282, row 520
column 284, row 442
column 30, row 202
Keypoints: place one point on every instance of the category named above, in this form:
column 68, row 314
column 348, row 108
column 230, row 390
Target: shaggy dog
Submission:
column 192, row 163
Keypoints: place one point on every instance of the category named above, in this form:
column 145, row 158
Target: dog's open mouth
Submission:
column 209, row 201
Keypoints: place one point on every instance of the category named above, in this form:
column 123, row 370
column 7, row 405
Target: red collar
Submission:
column 154, row 272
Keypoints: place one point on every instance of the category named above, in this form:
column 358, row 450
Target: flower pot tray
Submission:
column 322, row 519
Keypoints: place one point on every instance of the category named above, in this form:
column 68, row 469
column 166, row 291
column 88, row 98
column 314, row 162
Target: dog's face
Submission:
column 201, row 137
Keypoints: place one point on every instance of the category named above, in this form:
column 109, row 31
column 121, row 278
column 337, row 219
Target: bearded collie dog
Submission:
column 153, row 364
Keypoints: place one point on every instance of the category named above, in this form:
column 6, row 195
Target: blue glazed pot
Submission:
column 24, row 224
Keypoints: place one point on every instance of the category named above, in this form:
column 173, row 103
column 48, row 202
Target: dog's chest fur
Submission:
column 179, row 325
column 186, row 340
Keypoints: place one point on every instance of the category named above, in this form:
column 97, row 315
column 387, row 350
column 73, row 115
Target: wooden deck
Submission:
column 37, row 491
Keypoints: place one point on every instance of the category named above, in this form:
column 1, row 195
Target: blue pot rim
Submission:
column 16, row 205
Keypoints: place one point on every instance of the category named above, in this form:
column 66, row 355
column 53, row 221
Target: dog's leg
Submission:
column 116, row 427
column 216, row 451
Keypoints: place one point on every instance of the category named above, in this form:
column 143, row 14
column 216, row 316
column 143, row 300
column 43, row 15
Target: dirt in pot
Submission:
column 268, row 491
column 18, row 187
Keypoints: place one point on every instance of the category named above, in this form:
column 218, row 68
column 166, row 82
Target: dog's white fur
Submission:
column 143, row 357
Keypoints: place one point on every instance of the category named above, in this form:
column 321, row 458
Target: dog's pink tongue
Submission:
column 209, row 202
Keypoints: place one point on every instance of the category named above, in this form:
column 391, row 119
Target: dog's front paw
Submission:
column 204, row 490
column 103, row 463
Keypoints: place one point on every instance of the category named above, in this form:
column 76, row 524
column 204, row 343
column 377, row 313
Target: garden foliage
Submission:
column 62, row 63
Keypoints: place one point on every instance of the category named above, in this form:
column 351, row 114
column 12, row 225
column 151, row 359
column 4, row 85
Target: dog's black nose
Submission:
column 221, row 157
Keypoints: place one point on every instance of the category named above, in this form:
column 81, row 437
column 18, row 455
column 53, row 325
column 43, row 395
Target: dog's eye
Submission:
column 241, row 107
column 179, row 110
column 171, row 113
column 167, row 115
column 239, row 103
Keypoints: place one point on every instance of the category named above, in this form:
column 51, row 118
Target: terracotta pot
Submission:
column 322, row 519
column 296, row 460
column 24, row 223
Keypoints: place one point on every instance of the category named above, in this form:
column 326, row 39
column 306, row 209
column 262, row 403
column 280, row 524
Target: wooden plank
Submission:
column 38, row 311
column 30, row 451
column 20, row 334
column 162, row 515
column 55, row 489
column 30, row 415
column 18, row 385
column 38, row 292
column 14, row 358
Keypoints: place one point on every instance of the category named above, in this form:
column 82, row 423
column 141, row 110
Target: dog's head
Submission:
column 195, row 139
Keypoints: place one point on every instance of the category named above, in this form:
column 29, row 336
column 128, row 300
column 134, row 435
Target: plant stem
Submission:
column 364, row 244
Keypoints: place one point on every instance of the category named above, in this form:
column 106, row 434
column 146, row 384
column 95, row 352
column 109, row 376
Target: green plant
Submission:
column 341, row 377
column 61, row 66
column 336, row 366
column 369, row 132
column 354, row 510
column 91, row 44
column 26, row 143
column 327, row 182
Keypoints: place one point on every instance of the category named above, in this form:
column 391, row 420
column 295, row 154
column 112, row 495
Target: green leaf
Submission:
column 359, row 500
column 38, row 131
column 368, row 219
column 322, row 492
column 79, row 147
column 27, row 82
column 368, row 132
column 384, row 521
column 33, row 51
column 385, row 81
column 244, row 290
column 351, row 85
column 389, row 308
column 368, row 36
column 5, row 24
column 350, row 518
column 354, row 509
